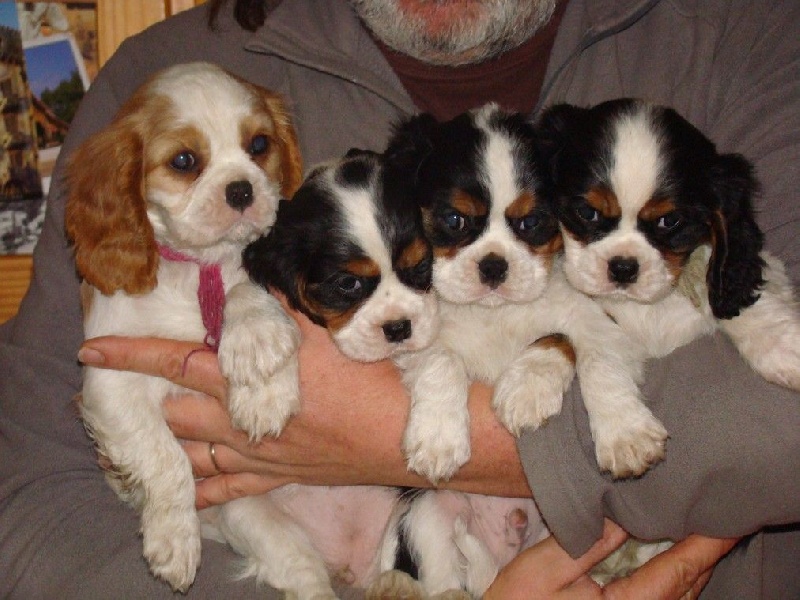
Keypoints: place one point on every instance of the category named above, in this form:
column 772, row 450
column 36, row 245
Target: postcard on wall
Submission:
column 54, row 63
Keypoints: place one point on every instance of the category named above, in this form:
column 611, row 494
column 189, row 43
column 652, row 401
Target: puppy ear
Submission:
column 735, row 270
column 555, row 126
column 273, row 260
column 410, row 144
column 106, row 216
column 291, row 160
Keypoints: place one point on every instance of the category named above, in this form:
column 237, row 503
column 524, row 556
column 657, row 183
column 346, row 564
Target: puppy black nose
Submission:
column 239, row 195
column 397, row 331
column 623, row 270
column 492, row 270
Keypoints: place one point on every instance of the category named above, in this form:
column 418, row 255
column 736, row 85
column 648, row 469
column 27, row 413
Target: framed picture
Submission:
column 53, row 61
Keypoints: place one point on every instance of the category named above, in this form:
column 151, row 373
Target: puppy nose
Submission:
column 623, row 270
column 397, row 331
column 239, row 195
column 492, row 270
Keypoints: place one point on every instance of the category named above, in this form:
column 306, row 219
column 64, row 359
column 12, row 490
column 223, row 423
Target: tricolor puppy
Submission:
column 348, row 251
column 161, row 204
column 659, row 227
column 510, row 319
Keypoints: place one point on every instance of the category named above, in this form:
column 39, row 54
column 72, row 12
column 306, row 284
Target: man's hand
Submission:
column 348, row 431
column 547, row 571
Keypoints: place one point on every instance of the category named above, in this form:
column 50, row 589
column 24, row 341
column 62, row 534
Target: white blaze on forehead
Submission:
column 634, row 173
column 359, row 211
column 202, row 95
column 498, row 173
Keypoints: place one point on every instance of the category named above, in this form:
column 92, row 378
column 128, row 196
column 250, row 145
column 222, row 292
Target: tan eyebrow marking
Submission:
column 467, row 204
column 604, row 200
column 522, row 206
column 413, row 254
column 655, row 208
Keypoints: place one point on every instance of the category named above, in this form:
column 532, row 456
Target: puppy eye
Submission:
column 587, row 212
column 454, row 221
column 669, row 221
column 258, row 145
column 348, row 285
column 528, row 223
column 184, row 161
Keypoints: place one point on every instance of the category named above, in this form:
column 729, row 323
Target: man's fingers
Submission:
column 613, row 537
column 563, row 570
column 545, row 570
column 186, row 363
column 675, row 572
column 226, row 487
column 202, row 418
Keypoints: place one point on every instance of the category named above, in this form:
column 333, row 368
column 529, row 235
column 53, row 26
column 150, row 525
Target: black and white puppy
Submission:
column 349, row 252
column 659, row 227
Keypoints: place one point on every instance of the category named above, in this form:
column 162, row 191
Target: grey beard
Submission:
column 505, row 25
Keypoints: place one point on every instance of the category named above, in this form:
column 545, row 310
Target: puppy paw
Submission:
column 171, row 546
column 258, row 356
column 254, row 347
column 395, row 585
column 436, row 453
column 531, row 390
column 262, row 407
column 629, row 446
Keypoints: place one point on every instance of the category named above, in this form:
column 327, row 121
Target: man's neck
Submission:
column 513, row 79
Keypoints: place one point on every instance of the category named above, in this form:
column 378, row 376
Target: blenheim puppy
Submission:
column 508, row 318
column 349, row 252
column 659, row 228
column 161, row 204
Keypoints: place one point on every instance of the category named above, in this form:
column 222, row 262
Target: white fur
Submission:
column 257, row 351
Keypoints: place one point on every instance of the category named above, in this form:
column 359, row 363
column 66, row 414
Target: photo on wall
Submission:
column 55, row 62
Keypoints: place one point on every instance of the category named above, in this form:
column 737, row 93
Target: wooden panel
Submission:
column 176, row 6
column 15, row 274
column 118, row 19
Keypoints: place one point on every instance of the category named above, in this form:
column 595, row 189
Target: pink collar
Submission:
column 210, row 293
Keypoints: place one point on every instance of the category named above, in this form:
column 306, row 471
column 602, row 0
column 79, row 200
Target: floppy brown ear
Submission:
column 106, row 217
column 291, row 161
column 735, row 269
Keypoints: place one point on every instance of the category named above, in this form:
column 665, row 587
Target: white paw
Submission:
column 262, row 407
column 258, row 356
column 628, row 446
column 436, row 452
column 531, row 389
column 171, row 541
column 527, row 399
